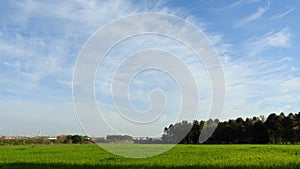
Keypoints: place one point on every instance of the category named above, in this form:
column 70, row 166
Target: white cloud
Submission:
column 259, row 87
column 282, row 14
column 271, row 39
column 235, row 4
column 241, row 3
column 255, row 16
column 42, row 49
column 39, row 46
column 153, row 80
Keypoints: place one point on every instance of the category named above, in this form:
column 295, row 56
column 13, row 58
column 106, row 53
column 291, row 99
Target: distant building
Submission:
column 52, row 138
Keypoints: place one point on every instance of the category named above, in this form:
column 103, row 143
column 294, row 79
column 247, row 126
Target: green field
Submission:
column 181, row 156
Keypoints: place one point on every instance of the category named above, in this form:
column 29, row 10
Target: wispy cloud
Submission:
column 35, row 52
column 281, row 38
column 37, row 59
column 282, row 14
column 39, row 49
column 241, row 3
column 234, row 5
column 255, row 16
column 260, row 86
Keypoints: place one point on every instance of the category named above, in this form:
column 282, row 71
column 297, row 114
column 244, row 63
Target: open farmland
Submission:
column 181, row 156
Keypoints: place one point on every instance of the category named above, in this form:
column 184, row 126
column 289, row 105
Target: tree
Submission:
column 275, row 129
column 76, row 139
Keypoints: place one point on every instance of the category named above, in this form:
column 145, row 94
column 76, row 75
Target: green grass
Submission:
column 181, row 156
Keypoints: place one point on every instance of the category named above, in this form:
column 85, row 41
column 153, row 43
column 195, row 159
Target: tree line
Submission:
column 276, row 129
column 62, row 139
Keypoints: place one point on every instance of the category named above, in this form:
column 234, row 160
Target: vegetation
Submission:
column 119, row 139
column 276, row 129
column 63, row 139
column 181, row 156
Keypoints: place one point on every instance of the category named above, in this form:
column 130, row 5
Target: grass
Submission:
column 181, row 156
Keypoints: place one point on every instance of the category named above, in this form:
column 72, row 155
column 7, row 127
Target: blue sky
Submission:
column 257, row 42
